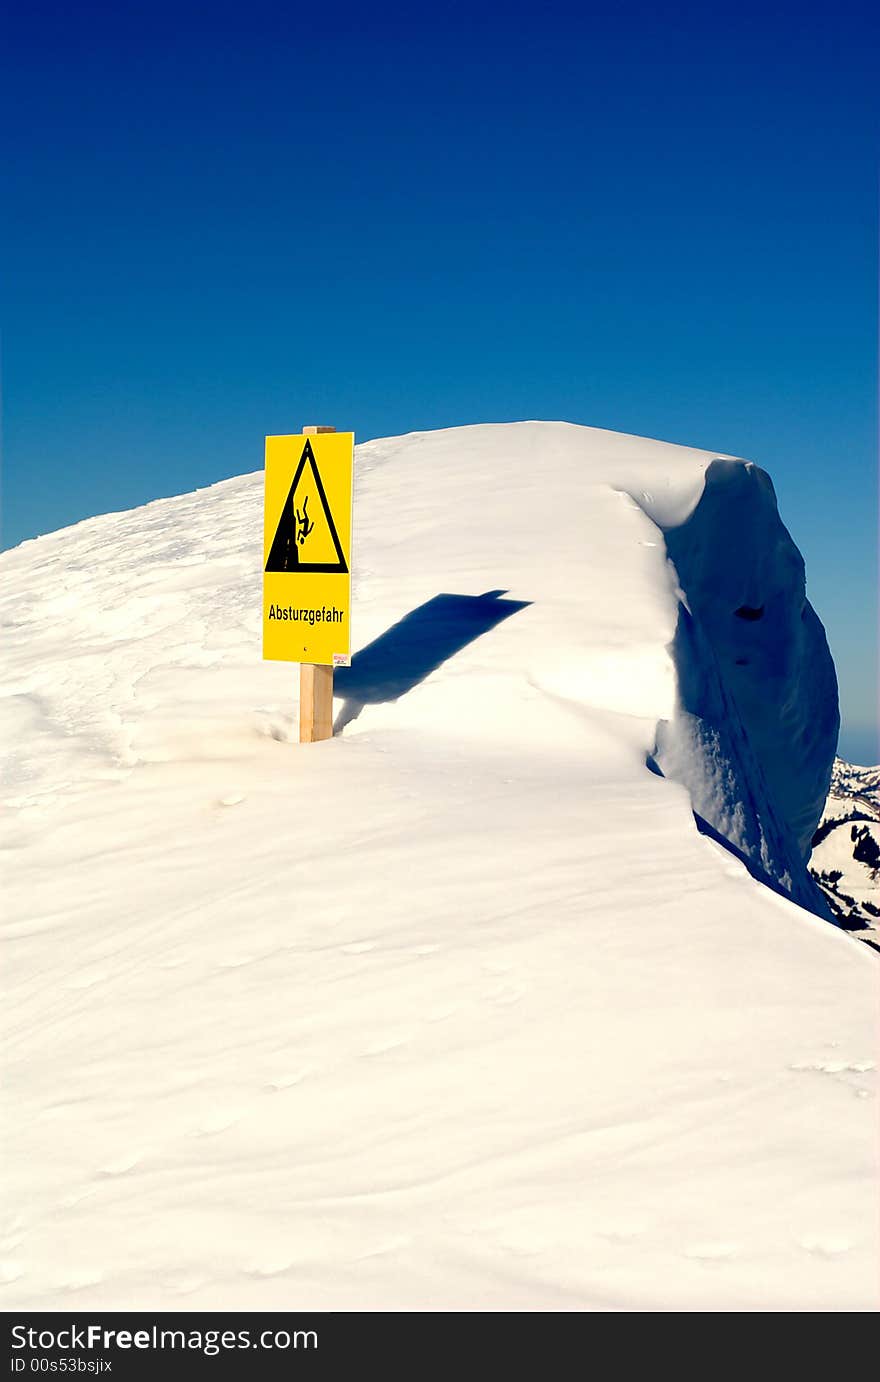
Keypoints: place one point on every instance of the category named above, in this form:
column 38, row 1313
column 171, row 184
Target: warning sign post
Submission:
column 307, row 564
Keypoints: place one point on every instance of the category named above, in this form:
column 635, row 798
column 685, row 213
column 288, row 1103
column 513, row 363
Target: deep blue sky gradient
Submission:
column 221, row 221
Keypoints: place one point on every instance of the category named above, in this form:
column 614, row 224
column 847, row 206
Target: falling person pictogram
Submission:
column 304, row 527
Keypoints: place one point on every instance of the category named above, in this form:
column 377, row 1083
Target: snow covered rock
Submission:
column 457, row 1009
column 846, row 850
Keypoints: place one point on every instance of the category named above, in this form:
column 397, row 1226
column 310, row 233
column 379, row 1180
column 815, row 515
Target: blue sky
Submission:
column 222, row 221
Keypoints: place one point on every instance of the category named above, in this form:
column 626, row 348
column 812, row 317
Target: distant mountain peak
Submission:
column 846, row 849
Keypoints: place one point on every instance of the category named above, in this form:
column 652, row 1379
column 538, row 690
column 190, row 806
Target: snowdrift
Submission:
column 460, row 1009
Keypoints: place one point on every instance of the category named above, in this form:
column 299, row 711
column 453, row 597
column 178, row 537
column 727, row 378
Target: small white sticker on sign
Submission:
column 341, row 660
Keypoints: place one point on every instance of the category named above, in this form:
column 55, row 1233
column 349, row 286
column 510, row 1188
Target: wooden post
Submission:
column 315, row 680
column 315, row 702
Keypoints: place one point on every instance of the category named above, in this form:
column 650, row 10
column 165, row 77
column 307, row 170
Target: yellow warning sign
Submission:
column 307, row 548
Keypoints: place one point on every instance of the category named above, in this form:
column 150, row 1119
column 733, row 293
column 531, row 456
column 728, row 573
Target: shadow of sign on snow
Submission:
column 415, row 647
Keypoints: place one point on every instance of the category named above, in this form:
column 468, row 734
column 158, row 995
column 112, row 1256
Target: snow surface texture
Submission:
column 846, row 850
column 457, row 1010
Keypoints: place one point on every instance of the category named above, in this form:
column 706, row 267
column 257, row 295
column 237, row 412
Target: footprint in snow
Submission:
column 121, row 1166
column 712, row 1252
column 624, row 1233
column 187, row 1283
column 497, row 966
column 505, row 993
column 826, row 1247
column 389, row 1043
column 270, row 1268
column 238, row 961
column 77, row 1196
column 442, row 1014
column 215, row 1123
column 87, row 978
column 834, row 1067
column 79, row 1280
column 12, row 1233
column 287, row 1081
column 382, row 1249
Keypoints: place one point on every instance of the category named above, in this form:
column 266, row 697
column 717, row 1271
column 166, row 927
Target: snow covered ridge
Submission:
column 749, row 722
column 457, row 1009
column 846, row 850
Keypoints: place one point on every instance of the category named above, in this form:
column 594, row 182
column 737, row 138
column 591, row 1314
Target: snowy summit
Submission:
column 516, row 994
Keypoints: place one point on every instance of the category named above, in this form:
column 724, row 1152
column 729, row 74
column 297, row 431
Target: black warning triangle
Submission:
column 285, row 554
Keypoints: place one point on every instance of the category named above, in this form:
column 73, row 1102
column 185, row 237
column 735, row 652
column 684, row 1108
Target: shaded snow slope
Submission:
column 458, row 1009
column 757, row 720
